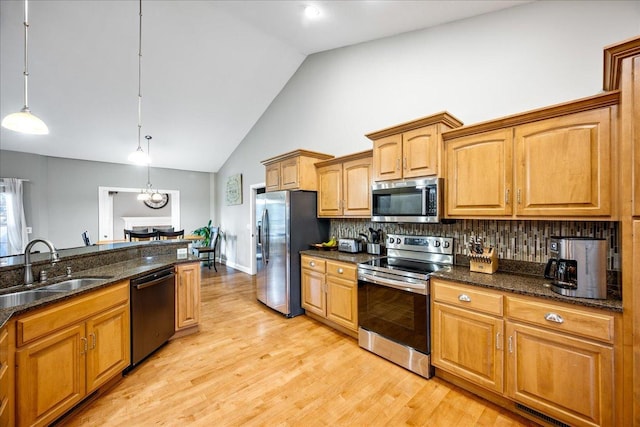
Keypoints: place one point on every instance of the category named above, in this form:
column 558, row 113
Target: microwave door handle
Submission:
column 425, row 200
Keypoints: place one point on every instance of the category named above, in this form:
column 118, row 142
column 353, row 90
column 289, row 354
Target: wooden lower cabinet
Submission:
column 468, row 344
column 330, row 292
column 7, row 365
column 568, row 378
column 58, row 368
column 557, row 359
column 187, row 296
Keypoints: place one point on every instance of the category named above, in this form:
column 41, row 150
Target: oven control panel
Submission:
column 438, row 245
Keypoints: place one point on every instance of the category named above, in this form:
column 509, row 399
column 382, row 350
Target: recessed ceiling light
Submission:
column 311, row 12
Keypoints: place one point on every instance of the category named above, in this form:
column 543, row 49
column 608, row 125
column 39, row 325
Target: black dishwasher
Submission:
column 152, row 313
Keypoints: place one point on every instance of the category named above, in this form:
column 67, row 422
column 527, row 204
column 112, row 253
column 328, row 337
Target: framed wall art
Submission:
column 234, row 190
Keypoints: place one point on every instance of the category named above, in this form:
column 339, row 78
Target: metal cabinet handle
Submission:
column 506, row 197
column 464, row 298
column 404, row 163
column 93, row 341
column 498, row 346
column 84, row 345
column 340, row 271
column 519, row 196
column 553, row 317
column 397, row 164
column 510, row 344
column 312, row 264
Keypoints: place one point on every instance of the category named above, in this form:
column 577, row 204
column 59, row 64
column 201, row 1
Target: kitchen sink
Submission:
column 20, row 298
column 73, row 284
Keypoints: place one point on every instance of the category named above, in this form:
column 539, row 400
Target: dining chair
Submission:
column 137, row 237
column 211, row 249
column 167, row 235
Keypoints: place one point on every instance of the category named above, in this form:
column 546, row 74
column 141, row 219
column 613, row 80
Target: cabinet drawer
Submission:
column 340, row 269
column 45, row 321
column 467, row 297
column 315, row 264
column 574, row 321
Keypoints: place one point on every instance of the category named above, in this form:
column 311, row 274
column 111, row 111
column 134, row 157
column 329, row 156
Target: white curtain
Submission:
column 16, row 223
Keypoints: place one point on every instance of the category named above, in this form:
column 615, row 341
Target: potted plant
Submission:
column 205, row 232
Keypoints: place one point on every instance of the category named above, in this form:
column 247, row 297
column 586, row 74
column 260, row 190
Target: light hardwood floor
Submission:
column 250, row 366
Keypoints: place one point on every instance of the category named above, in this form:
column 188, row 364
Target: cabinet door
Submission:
column 187, row 295
column 564, row 166
column 289, row 170
column 357, row 187
column 272, row 177
column 51, row 376
column 479, row 175
column 634, row 118
column 313, row 293
column 330, row 190
column 567, row 378
column 109, row 346
column 342, row 302
column 420, row 152
column 387, row 158
column 468, row 344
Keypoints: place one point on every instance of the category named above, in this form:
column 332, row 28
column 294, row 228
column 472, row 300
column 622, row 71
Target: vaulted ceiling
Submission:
column 209, row 68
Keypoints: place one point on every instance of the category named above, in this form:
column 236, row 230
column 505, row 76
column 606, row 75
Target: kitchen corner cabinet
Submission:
column 344, row 186
column 187, row 296
column 330, row 292
column 67, row 351
column 525, row 349
column 292, row 171
column 555, row 167
column 412, row 149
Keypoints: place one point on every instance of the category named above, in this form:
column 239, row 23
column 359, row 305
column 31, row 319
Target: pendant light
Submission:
column 24, row 121
column 149, row 193
column 139, row 156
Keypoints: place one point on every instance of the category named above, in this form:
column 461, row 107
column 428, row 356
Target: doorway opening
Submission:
column 255, row 216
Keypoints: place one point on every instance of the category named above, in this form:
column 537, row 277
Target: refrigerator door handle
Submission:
column 265, row 235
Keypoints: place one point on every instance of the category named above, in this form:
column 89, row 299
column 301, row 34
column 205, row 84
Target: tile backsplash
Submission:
column 516, row 240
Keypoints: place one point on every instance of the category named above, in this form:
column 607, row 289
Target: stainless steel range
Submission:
column 393, row 299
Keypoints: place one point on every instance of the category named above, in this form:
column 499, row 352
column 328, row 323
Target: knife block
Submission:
column 486, row 262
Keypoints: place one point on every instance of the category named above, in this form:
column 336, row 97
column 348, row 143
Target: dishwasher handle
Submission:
column 154, row 282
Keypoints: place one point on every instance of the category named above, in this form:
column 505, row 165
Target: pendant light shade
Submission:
column 139, row 157
column 24, row 121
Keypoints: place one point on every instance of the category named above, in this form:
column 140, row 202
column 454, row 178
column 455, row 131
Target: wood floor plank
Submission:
column 250, row 366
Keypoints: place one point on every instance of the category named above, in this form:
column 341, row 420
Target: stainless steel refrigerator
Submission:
column 288, row 225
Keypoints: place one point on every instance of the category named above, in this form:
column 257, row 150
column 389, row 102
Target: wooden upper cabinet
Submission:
column 293, row 171
column 479, row 174
column 420, row 152
column 564, row 165
column 412, row 149
column 549, row 163
column 344, row 186
column 387, row 158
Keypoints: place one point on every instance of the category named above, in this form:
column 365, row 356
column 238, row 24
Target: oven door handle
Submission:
column 421, row 288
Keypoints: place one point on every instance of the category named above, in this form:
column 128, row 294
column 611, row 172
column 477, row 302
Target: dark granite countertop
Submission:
column 516, row 283
column 341, row 256
column 116, row 272
column 523, row 285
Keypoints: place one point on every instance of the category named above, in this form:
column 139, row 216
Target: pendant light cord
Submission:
column 140, row 78
column 26, row 55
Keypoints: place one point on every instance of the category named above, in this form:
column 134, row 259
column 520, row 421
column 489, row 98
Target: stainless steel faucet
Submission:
column 53, row 256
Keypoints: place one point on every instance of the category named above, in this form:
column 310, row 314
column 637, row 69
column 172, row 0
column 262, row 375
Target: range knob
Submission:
column 390, row 239
column 446, row 244
column 436, row 243
column 398, row 240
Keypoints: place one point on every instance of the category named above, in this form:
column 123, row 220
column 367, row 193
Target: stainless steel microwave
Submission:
column 418, row 200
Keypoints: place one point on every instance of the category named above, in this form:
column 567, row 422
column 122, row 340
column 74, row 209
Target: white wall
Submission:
column 530, row 56
column 61, row 197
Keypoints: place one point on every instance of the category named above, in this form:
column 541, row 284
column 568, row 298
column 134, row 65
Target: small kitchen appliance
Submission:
column 350, row 245
column 412, row 201
column 578, row 267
